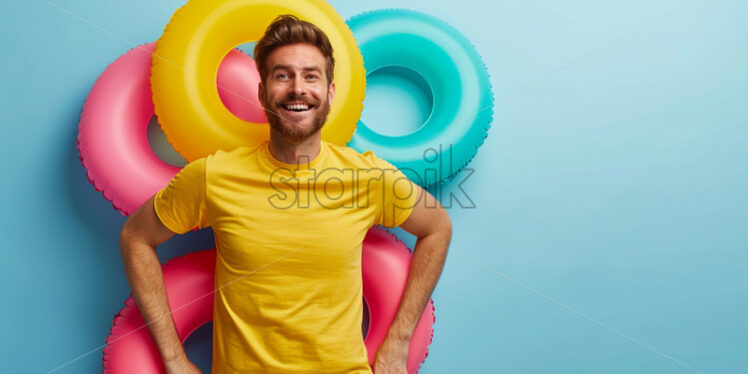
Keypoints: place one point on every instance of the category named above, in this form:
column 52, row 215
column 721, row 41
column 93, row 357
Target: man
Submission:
column 289, row 220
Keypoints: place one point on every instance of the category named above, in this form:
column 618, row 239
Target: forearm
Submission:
column 144, row 274
column 426, row 266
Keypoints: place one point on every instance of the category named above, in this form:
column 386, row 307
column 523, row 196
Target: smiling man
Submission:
column 289, row 221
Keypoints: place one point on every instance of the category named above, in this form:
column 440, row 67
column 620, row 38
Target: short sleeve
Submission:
column 181, row 205
column 398, row 195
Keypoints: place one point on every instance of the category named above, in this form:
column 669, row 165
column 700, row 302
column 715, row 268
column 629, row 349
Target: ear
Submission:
column 261, row 93
column 331, row 92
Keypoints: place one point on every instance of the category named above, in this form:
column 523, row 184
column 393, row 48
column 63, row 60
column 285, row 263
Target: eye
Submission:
column 312, row 76
column 281, row 76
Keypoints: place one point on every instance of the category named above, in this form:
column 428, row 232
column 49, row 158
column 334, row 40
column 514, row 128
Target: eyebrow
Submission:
column 288, row 67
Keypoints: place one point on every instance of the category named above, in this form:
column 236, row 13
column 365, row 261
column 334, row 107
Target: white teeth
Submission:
column 297, row 107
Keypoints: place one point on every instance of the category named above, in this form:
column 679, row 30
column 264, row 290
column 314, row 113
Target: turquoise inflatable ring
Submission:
column 462, row 98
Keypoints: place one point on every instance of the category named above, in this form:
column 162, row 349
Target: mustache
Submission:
column 301, row 99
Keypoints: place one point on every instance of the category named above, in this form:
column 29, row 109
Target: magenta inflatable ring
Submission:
column 113, row 130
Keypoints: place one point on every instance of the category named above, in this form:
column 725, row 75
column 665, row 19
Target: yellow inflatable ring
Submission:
column 185, row 67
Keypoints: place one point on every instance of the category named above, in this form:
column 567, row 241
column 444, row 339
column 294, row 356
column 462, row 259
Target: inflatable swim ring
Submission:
column 186, row 59
column 189, row 284
column 112, row 134
column 385, row 266
column 461, row 90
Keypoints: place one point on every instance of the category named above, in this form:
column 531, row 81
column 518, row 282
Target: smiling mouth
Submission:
column 297, row 107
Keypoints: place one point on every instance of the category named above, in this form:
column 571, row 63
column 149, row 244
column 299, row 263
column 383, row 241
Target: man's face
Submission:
column 296, row 95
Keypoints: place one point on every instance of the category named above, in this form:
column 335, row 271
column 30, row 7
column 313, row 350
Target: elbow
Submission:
column 127, row 236
column 446, row 225
column 440, row 226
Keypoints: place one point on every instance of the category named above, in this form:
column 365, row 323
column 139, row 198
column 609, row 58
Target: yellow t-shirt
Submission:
column 289, row 295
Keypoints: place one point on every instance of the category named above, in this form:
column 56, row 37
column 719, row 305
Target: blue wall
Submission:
column 610, row 193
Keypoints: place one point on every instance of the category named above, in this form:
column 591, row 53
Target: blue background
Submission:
column 608, row 234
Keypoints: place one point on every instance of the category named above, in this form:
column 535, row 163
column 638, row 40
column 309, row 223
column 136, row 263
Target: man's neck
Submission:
column 290, row 152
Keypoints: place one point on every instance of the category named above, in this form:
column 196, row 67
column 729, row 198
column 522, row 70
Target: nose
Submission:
column 298, row 86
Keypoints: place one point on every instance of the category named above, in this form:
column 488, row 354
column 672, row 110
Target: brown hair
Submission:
column 287, row 29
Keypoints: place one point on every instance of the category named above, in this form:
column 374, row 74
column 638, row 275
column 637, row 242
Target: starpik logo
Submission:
column 350, row 188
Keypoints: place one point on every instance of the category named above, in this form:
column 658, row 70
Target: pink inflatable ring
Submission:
column 189, row 285
column 112, row 134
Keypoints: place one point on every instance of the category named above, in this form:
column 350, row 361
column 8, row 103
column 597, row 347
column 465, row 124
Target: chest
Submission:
column 311, row 226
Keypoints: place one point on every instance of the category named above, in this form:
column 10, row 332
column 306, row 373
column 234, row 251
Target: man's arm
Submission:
column 430, row 223
column 141, row 233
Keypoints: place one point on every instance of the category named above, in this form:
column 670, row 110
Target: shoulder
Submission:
column 224, row 163
column 228, row 156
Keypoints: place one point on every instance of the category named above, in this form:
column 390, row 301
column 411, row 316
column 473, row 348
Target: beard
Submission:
column 288, row 130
